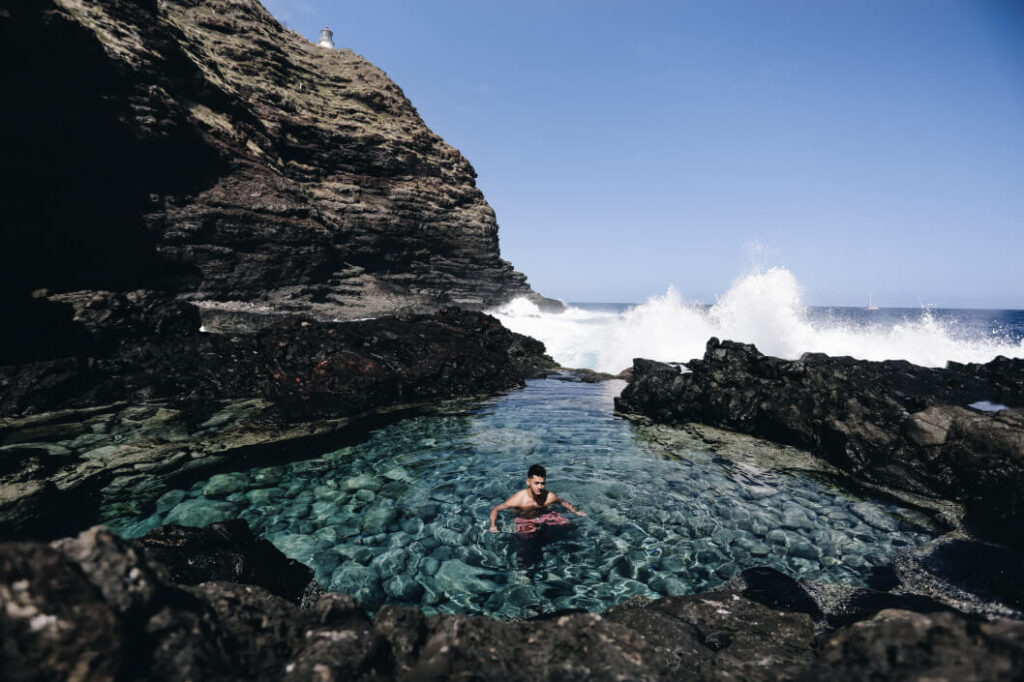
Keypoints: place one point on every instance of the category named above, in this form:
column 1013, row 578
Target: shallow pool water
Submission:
column 403, row 517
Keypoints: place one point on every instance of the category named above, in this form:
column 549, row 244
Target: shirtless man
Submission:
column 531, row 502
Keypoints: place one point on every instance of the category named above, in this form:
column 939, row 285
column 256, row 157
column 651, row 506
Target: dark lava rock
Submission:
column 225, row 551
column 405, row 628
column 829, row 604
column 112, row 318
column 583, row 376
column 97, row 607
column 351, row 367
column 777, row 590
column 721, row 635
column 890, row 423
column 307, row 368
column 971, row 576
column 581, row 646
column 54, row 622
column 902, row 645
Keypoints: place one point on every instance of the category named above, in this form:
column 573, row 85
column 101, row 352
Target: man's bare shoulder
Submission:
column 518, row 499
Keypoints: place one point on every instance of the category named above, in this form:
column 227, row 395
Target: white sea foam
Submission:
column 765, row 308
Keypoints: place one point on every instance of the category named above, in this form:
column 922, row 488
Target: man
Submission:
column 530, row 504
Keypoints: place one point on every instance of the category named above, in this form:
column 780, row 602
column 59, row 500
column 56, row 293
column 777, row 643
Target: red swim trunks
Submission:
column 527, row 526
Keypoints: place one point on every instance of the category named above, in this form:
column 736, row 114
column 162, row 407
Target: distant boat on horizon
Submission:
column 871, row 304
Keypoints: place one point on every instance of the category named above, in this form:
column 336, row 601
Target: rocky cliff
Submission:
column 201, row 149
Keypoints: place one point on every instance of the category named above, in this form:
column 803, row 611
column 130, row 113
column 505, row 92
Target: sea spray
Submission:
column 765, row 308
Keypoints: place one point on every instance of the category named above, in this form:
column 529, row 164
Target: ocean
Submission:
column 766, row 309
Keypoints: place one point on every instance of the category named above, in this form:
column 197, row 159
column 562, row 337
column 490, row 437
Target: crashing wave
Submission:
column 765, row 308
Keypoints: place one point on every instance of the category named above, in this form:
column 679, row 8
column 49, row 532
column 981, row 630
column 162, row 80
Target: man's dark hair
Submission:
column 536, row 470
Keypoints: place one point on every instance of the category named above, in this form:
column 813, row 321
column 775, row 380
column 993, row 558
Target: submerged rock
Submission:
column 224, row 485
column 200, row 513
column 362, row 582
column 456, row 577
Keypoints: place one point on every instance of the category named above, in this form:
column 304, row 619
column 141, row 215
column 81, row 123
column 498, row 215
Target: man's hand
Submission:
column 494, row 529
column 568, row 505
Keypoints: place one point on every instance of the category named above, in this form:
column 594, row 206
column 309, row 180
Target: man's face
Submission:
column 535, row 484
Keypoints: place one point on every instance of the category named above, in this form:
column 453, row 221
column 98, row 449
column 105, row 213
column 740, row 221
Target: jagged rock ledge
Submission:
column 220, row 603
column 889, row 423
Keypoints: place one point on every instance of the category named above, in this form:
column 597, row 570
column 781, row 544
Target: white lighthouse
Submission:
column 326, row 38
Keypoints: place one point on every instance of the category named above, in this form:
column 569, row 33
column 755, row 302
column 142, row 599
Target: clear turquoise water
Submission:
column 403, row 517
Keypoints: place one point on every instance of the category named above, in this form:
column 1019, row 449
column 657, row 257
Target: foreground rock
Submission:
column 201, row 604
column 890, row 423
column 969, row 575
column 178, row 402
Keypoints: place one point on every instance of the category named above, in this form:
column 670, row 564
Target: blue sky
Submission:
column 626, row 146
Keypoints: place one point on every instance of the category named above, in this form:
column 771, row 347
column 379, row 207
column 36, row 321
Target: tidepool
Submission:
column 403, row 517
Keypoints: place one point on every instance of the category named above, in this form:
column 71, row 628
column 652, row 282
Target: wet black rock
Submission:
column 225, row 551
column 776, row 590
column 890, row 423
column 967, row 574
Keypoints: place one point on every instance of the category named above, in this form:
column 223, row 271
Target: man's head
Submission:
column 535, row 479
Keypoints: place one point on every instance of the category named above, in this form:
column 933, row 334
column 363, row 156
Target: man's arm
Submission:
column 507, row 504
column 568, row 505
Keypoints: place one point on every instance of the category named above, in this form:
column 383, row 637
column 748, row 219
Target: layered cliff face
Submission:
column 202, row 149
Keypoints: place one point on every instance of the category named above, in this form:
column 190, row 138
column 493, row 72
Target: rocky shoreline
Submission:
column 219, row 602
column 218, row 173
column 888, row 423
